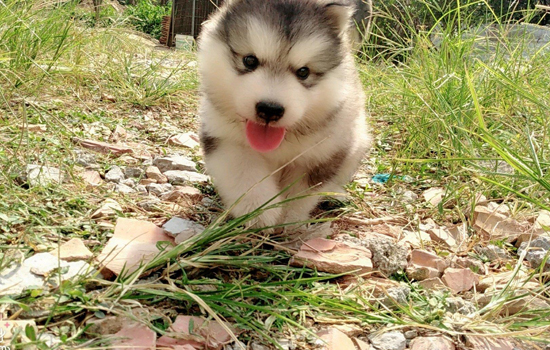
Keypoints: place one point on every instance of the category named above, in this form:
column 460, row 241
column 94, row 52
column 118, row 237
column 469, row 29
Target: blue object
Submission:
column 381, row 178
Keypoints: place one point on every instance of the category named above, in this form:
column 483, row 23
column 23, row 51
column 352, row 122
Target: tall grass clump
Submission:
column 146, row 16
column 467, row 98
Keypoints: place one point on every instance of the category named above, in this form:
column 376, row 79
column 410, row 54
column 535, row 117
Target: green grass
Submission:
column 444, row 117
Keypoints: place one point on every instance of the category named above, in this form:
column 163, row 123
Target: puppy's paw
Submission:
column 270, row 217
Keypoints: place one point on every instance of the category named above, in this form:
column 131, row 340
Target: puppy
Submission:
column 281, row 104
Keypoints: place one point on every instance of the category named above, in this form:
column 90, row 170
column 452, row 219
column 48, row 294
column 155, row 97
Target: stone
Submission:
column 493, row 226
column 114, row 174
column 497, row 281
column 183, row 193
column 129, row 182
column 420, row 273
column 91, row 177
column 85, row 159
column 149, row 204
column 174, row 162
column 134, row 242
column 542, row 223
column 183, row 177
column 432, row 284
column 536, row 252
column 134, row 336
column 38, row 175
column 469, row 263
column 118, row 134
column 393, row 340
column 154, row 173
column 182, row 229
column 457, row 304
column 409, row 196
column 333, row 257
column 444, row 236
column 428, row 259
column 488, row 343
column 72, row 250
column 133, row 172
column 38, row 128
column 43, row 263
column 124, row 189
column 109, row 208
column 258, row 346
column 492, row 252
column 141, row 189
column 434, row 195
column 361, row 345
column 432, row 343
column 388, row 256
column 145, row 182
column 459, row 280
column 206, row 334
column 397, row 296
column 417, row 239
column 333, row 339
column 103, row 147
column 159, row 189
column 188, row 140
column 413, row 333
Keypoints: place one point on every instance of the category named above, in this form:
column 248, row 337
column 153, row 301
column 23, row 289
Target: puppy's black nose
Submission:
column 269, row 111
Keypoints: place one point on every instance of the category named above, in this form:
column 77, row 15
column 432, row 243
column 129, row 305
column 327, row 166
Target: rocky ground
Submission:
column 398, row 278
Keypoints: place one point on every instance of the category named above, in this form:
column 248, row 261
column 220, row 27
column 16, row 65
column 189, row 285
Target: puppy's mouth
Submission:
column 263, row 137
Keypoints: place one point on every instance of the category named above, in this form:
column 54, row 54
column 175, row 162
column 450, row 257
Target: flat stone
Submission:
column 145, row 182
column 444, row 236
column 209, row 334
column 124, row 189
column 492, row 252
column 150, row 204
column 492, row 225
column 432, row 284
column 109, row 208
column 91, row 177
column 417, row 239
column 183, row 177
column 188, row 140
column 335, row 340
column 457, row 304
column 114, row 174
column 434, row 195
column 134, row 336
column 182, row 229
column 398, row 295
column 428, row 259
column 361, row 345
column 174, row 162
column 38, row 175
column 133, row 172
column 134, row 242
column 154, row 173
column 85, row 159
column 536, row 252
column 420, row 273
column 103, row 147
column 159, row 189
column 486, row 343
column 431, row 343
column 72, row 250
column 393, row 340
column 459, row 280
column 333, row 257
column 43, row 263
column 469, row 263
column 542, row 223
column 183, row 193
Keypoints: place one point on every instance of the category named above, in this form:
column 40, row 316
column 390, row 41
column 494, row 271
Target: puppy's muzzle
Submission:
column 269, row 111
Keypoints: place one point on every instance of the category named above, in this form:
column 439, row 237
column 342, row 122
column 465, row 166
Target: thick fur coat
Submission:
column 281, row 102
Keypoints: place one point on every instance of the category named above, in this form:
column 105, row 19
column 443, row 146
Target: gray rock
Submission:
column 411, row 334
column 174, row 162
column 38, row 175
column 114, row 174
column 457, row 304
column 537, row 251
column 43, row 263
column 124, row 189
column 133, row 172
column 77, row 268
column 141, row 189
column 286, row 344
column 182, row 177
column 387, row 256
column 393, row 340
column 492, row 252
column 159, row 189
column 182, row 229
column 258, row 346
column 85, row 159
column 150, row 204
column 129, row 182
column 409, row 196
column 399, row 295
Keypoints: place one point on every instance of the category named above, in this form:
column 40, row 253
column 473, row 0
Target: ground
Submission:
column 430, row 246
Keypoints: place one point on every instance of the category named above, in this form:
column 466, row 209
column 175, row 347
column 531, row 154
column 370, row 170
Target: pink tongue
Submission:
column 264, row 138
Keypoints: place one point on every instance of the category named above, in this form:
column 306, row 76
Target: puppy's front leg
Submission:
column 238, row 171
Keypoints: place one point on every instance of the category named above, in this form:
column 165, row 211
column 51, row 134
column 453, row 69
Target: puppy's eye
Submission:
column 302, row 73
column 251, row 62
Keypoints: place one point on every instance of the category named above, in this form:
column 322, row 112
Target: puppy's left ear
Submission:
column 341, row 13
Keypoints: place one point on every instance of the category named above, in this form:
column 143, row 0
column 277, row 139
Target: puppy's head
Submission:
column 275, row 65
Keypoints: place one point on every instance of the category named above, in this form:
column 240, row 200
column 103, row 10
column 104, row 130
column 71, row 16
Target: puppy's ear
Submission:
column 340, row 12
